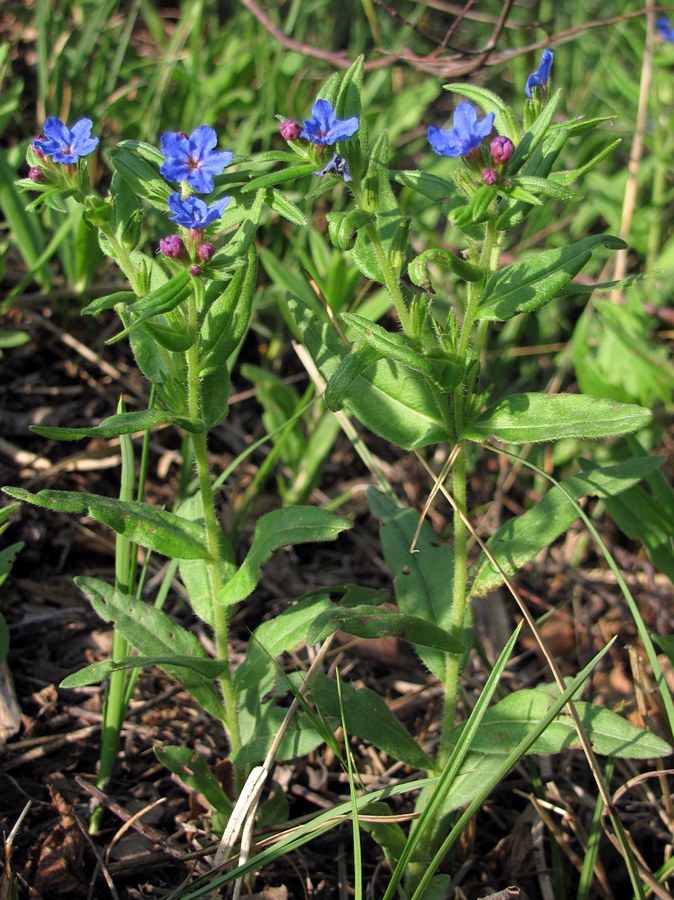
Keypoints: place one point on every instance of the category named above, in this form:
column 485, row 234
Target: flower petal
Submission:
column 202, row 141
column 56, row 131
column 174, row 144
column 342, row 129
column 174, row 169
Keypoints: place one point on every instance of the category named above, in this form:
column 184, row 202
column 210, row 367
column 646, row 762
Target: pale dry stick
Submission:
column 344, row 421
column 637, row 149
column 597, row 773
column 130, row 823
column 243, row 814
column 436, row 487
column 9, row 843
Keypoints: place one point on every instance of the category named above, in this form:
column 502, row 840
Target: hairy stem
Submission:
column 217, row 544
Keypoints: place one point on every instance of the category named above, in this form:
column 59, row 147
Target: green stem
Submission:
column 217, row 544
column 468, row 342
column 390, row 281
column 123, row 259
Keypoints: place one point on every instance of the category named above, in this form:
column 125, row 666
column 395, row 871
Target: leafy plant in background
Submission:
column 185, row 314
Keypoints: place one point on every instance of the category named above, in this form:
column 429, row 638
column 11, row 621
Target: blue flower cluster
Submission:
column 65, row 145
column 665, row 30
column 467, row 133
column 194, row 161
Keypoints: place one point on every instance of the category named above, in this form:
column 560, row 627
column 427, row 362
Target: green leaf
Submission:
column 160, row 301
column 142, row 177
column 122, row 423
column 535, row 135
column 156, row 635
column 367, row 716
column 99, row 671
column 227, row 315
column 521, row 539
column 259, row 731
column 280, row 528
column 389, row 399
column 544, row 187
column 360, row 358
column 378, row 621
column 281, row 634
column 527, row 285
column 431, row 186
column 272, row 178
column 286, row 208
column 108, row 302
column 638, row 515
column 422, row 580
column 511, row 719
column 141, row 523
column 191, row 768
column 528, row 418
column 419, row 274
column 7, row 557
column 390, row 345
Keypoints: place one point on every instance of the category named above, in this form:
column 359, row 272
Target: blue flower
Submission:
column 66, row 145
column 193, row 158
column 665, row 30
column 193, row 213
column 338, row 165
column 539, row 78
column 325, row 128
column 466, row 135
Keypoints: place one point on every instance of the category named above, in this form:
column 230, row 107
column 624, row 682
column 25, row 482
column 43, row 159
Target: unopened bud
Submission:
column 205, row 252
column 172, row 246
column 36, row 174
column 501, row 149
column 195, row 271
column 36, row 150
column 290, row 130
column 489, row 176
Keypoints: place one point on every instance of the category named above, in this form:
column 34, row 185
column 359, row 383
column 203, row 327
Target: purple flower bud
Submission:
column 36, row 174
column 489, row 176
column 290, row 130
column 501, row 149
column 205, row 252
column 172, row 246
column 195, row 271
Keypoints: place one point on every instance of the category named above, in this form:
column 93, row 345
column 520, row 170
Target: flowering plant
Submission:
column 423, row 383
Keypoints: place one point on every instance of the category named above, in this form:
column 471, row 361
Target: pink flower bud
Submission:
column 290, row 130
column 36, row 150
column 501, row 149
column 205, row 252
column 195, row 271
column 172, row 246
column 489, row 176
column 36, row 174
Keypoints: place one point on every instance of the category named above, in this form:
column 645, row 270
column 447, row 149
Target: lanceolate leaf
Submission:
column 141, row 523
column 504, row 726
column 423, row 580
column 378, row 621
column 99, row 671
column 389, row 399
column 521, row 539
column 154, row 634
column 527, row 285
column 122, row 423
column 367, row 716
column 527, row 418
column 294, row 525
